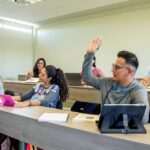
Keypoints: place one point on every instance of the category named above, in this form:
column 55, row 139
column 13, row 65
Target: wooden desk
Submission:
column 148, row 91
column 21, row 123
column 86, row 94
column 81, row 93
column 18, row 86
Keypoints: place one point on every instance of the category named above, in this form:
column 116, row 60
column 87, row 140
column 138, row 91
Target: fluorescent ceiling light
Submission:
column 26, row 2
column 16, row 28
column 19, row 22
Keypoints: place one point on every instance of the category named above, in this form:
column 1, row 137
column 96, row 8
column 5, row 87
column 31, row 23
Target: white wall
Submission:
column 64, row 45
column 16, row 53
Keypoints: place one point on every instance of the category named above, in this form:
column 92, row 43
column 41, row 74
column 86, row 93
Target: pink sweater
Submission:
column 97, row 72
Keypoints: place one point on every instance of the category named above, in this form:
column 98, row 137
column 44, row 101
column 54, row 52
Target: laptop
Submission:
column 122, row 118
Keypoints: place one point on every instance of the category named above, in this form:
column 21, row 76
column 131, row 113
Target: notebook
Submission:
column 54, row 117
column 86, row 117
column 32, row 80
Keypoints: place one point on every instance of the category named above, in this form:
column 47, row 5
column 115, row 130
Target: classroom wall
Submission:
column 16, row 53
column 64, row 45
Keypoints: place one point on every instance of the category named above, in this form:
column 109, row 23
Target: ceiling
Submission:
column 53, row 10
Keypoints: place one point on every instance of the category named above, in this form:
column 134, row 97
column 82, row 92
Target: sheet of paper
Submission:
column 86, row 117
column 54, row 117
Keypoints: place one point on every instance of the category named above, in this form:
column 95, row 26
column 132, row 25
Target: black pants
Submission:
column 14, row 142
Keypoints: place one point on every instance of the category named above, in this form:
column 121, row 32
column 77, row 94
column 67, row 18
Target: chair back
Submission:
column 85, row 107
column 59, row 105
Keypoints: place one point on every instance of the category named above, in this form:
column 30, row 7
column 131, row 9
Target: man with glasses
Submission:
column 122, row 88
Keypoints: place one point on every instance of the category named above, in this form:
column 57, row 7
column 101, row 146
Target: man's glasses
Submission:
column 116, row 67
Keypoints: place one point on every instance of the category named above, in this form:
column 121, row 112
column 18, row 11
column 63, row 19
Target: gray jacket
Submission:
column 111, row 92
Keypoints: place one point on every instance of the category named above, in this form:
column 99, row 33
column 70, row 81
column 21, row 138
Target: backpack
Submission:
column 6, row 100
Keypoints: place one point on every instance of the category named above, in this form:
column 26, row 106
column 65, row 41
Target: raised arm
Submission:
column 87, row 65
column 94, row 45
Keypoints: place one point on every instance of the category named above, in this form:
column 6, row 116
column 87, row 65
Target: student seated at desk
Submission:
column 146, row 81
column 40, row 63
column 122, row 88
column 85, row 107
column 1, row 86
column 50, row 93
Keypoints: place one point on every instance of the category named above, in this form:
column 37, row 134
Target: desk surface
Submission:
column 80, row 93
column 18, row 86
column 21, row 123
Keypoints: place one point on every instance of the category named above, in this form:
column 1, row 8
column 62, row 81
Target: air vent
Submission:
column 26, row 2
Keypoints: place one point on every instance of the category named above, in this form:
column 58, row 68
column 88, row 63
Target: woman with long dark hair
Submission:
column 49, row 93
column 40, row 63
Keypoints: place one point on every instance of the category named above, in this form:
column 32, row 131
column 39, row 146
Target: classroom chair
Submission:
column 59, row 105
